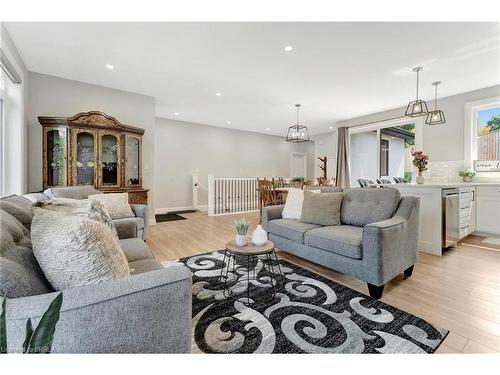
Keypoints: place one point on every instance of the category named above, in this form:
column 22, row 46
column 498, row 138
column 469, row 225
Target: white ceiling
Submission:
column 335, row 70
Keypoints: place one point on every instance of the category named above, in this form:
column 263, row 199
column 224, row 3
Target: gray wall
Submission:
column 442, row 142
column 183, row 147
column 52, row 96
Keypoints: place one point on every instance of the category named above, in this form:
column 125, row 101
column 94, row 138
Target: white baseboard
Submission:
column 165, row 210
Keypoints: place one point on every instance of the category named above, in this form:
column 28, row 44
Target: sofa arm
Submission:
column 391, row 246
column 271, row 213
column 141, row 210
column 149, row 312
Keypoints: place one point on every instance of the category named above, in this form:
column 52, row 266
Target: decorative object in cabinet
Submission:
column 102, row 151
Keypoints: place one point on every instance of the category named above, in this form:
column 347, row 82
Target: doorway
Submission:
column 298, row 163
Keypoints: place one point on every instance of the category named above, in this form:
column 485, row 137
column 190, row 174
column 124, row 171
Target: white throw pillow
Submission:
column 74, row 251
column 116, row 204
column 293, row 204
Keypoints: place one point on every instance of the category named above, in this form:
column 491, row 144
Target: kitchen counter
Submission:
column 445, row 185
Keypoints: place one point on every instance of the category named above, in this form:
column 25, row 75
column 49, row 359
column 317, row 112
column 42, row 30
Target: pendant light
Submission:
column 418, row 107
column 435, row 117
column 297, row 133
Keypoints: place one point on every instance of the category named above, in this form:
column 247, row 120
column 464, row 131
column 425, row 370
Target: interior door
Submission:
column 298, row 165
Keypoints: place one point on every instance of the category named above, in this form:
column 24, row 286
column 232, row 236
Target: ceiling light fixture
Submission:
column 435, row 117
column 268, row 129
column 229, row 122
column 330, row 127
column 218, row 94
column 297, row 133
column 288, row 48
column 417, row 107
column 110, row 67
column 176, row 113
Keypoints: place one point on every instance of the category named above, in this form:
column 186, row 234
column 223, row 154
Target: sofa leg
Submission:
column 375, row 291
column 408, row 272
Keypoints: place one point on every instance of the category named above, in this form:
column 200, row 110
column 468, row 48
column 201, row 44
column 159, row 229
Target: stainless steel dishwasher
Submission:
column 451, row 217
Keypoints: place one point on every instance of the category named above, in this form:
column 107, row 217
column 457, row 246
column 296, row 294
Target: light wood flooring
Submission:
column 459, row 291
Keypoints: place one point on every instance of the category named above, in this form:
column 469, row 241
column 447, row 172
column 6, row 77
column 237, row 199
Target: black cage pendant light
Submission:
column 297, row 133
column 417, row 107
column 435, row 117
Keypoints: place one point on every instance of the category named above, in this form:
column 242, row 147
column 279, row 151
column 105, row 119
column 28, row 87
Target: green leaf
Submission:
column 3, row 328
column 43, row 336
column 29, row 333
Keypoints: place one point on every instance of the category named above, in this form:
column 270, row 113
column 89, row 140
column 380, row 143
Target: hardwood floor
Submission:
column 459, row 291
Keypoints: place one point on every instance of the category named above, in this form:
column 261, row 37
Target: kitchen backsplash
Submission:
column 447, row 172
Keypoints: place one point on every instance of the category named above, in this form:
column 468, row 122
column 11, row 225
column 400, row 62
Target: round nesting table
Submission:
column 242, row 261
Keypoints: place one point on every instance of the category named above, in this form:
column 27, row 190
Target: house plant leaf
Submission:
column 29, row 333
column 3, row 328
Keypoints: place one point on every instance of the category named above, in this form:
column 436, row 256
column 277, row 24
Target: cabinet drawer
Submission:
column 488, row 191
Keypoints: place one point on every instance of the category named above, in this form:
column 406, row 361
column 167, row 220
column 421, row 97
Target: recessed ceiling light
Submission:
column 330, row 127
column 288, row 48
column 176, row 113
column 110, row 67
column 218, row 94
column 268, row 129
column 229, row 122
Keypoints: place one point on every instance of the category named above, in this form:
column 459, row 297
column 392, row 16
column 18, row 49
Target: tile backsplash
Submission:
column 447, row 172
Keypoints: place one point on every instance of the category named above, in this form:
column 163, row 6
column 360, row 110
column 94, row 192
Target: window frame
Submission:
column 472, row 110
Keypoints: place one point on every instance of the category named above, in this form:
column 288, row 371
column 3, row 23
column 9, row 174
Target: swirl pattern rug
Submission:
column 309, row 314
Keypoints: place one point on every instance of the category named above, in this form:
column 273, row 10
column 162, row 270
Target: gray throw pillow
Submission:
column 75, row 251
column 321, row 208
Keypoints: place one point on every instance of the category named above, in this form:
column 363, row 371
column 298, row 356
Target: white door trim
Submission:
column 291, row 163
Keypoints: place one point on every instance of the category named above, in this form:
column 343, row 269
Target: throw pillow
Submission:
column 92, row 209
column 116, row 204
column 18, row 207
column 321, row 209
column 75, row 251
column 293, row 204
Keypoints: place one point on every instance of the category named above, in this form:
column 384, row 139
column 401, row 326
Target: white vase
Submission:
column 420, row 178
column 241, row 240
column 259, row 236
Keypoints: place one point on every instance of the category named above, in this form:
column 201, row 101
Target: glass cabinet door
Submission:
column 55, row 156
column 132, row 161
column 84, row 157
column 110, row 159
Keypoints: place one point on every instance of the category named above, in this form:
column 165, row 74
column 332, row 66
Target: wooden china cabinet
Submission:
column 92, row 148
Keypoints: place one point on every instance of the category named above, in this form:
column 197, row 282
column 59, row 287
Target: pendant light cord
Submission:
column 298, row 115
column 435, row 97
column 417, row 83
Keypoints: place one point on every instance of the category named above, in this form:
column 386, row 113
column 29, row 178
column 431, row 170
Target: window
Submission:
column 482, row 131
column 488, row 134
column 384, row 157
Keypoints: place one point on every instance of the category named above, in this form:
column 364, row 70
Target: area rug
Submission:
column 309, row 314
column 168, row 217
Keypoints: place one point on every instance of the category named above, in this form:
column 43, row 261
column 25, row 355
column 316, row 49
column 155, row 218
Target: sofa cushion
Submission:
column 324, row 189
column 340, row 239
column 144, row 265
column 290, row 228
column 75, row 251
column 129, row 227
column 19, row 207
column 321, row 209
column 365, row 206
column 20, row 274
column 74, row 192
column 135, row 249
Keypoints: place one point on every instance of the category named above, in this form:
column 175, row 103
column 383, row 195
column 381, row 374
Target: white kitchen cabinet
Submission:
column 488, row 210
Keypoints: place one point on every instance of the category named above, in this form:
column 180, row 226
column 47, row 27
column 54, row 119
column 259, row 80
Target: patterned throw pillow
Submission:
column 75, row 251
column 116, row 204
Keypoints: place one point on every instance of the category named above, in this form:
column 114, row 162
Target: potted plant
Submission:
column 467, row 175
column 241, row 232
column 298, row 181
column 420, row 160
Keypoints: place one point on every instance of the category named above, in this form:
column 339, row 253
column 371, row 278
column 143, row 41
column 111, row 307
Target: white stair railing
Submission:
column 232, row 195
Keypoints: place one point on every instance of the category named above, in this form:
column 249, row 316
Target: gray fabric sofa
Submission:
column 148, row 312
column 127, row 228
column 376, row 240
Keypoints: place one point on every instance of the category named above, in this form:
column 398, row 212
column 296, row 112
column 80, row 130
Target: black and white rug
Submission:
column 310, row 314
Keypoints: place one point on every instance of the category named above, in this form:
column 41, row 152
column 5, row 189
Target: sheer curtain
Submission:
column 343, row 173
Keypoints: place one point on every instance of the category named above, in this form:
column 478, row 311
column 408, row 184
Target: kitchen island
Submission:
column 475, row 208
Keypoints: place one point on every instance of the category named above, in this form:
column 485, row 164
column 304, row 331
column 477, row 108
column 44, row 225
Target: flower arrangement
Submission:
column 420, row 160
column 241, row 227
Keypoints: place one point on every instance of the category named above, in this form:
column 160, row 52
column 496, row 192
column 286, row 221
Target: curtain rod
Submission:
column 374, row 122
